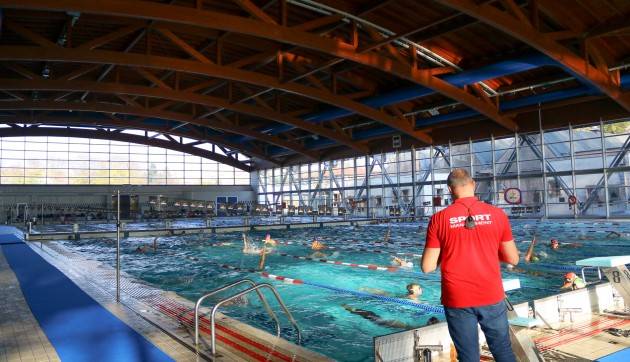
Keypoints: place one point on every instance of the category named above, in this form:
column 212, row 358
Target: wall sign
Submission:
column 396, row 141
column 512, row 196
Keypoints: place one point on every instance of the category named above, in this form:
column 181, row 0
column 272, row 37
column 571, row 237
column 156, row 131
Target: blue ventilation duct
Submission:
column 505, row 106
column 492, row 71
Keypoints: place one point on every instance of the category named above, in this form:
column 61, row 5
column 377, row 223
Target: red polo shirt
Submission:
column 469, row 259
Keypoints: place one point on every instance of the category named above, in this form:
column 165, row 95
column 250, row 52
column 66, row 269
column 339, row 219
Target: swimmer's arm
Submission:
column 430, row 258
column 508, row 253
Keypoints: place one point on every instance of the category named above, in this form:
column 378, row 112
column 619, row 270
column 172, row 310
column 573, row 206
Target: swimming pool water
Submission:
column 327, row 327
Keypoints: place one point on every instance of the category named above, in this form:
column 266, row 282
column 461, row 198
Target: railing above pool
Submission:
column 253, row 288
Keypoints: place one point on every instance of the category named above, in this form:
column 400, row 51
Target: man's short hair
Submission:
column 458, row 177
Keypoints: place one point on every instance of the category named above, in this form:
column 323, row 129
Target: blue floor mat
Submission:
column 620, row 356
column 78, row 327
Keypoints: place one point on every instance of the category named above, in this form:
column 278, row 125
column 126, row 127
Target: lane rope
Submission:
column 425, row 307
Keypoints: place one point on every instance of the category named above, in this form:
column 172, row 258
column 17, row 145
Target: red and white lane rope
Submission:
column 338, row 262
column 377, row 251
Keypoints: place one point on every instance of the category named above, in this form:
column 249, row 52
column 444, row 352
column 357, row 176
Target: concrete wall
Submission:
column 35, row 195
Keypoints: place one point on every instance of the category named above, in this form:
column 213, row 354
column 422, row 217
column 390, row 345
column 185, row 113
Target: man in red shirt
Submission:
column 468, row 240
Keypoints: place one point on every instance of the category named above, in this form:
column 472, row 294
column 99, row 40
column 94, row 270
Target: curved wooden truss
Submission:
column 255, row 76
column 124, row 137
column 210, row 70
column 152, row 113
column 289, row 35
column 514, row 22
column 183, row 96
column 113, row 121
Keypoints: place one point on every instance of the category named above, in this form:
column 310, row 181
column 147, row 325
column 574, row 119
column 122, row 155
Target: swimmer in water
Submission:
column 414, row 291
column 555, row 245
column 530, row 257
column 320, row 255
column 373, row 317
column 318, row 245
column 573, row 282
column 613, row 235
column 403, row 263
column 142, row 249
column 432, row 321
column 388, row 235
column 269, row 241
column 250, row 248
column 513, row 269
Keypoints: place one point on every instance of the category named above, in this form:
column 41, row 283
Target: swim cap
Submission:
column 554, row 241
column 570, row 276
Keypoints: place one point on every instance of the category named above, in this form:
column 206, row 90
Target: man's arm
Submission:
column 508, row 253
column 430, row 258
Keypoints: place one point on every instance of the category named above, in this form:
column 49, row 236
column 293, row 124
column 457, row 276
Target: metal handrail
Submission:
column 240, row 294
column 225, row 287
column 599, row 272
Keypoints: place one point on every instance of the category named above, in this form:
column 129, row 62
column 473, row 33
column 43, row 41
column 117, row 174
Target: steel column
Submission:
column 495, row 193
column 573, row 180
column 544, row 160
column 118, row 246
column 604, row 168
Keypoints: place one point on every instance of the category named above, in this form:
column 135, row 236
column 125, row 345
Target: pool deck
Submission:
column 163, row 318
column 22, row 339
column 580, row 341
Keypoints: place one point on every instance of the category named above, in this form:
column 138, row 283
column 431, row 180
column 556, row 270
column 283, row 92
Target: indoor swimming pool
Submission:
column 349, row 293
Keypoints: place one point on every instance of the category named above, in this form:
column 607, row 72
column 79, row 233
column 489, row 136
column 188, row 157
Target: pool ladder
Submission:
column 253, row 288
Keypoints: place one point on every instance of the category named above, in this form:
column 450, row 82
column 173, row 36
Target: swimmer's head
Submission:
column 510, row 266
column 433, row 320
column 554, row 244
column 414, row 289
column 570, row 277
column 535, row 258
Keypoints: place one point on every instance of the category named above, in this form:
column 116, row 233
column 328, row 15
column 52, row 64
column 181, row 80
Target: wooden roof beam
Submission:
column 182, row 96
column 237, row 24
column 525, row 32
column 143, row 112
column 124, row 137
column 108, row 38
column 211, row 70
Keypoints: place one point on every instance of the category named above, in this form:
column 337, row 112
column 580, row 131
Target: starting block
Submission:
column 614, row 267
column 511, row 284
column 524, row 348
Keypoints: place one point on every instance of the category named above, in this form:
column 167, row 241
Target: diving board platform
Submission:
column 614, row 267
column 605, row 261
column 77, row 326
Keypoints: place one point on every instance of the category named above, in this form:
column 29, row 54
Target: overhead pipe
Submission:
column 492, row 71
column 504, row 106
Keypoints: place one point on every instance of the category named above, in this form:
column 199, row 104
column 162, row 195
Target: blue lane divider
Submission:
column 425, row 307
column 558, row 267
